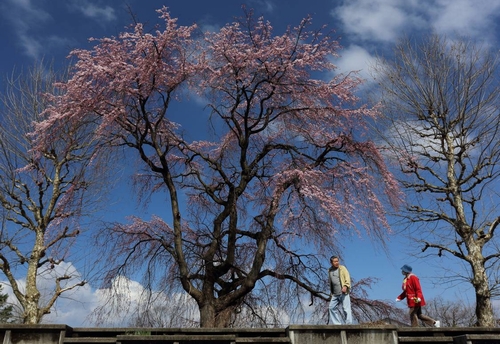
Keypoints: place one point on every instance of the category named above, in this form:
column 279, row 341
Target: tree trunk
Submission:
column 207, row 315
column 32, row 298
column 31, row 305
column 211, row 318
column 484, row 309
column 30, row 315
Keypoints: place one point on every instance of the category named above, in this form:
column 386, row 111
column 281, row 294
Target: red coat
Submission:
column 412, row 291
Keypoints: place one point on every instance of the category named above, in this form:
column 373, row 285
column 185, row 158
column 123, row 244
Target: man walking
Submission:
column 340, row 286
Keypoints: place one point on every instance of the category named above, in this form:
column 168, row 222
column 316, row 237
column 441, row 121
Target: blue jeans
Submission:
column 340, row 310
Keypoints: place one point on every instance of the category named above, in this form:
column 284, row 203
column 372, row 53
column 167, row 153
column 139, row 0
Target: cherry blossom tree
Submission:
column 43, row 195
column 281, row 172
column 441, row 99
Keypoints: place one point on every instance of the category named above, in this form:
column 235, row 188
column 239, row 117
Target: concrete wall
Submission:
column 294, row 334
column 32, row 334
column 342, row 334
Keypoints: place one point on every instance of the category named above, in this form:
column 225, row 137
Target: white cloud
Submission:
column 355, row 58
column 371, row 26
column 81, row 307
column 377, row 20
column 29, row 19
column 27, row 10
column 72, row 308
column 25, row 17
column 474, row 18
column 386, row 20
column 93, row 11
column 31, row 45
column 263, row 5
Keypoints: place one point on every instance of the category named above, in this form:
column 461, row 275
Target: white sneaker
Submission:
column 437, row 323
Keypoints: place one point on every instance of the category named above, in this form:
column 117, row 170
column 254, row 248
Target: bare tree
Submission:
column 43, row 195
column 455, row 313
column 441, row 99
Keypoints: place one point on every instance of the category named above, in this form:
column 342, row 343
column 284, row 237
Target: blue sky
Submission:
column 50, row 29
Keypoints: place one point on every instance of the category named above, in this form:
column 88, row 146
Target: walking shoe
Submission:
column 437, row 323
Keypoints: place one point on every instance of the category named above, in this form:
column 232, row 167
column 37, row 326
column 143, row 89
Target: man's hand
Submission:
column 344, row 289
